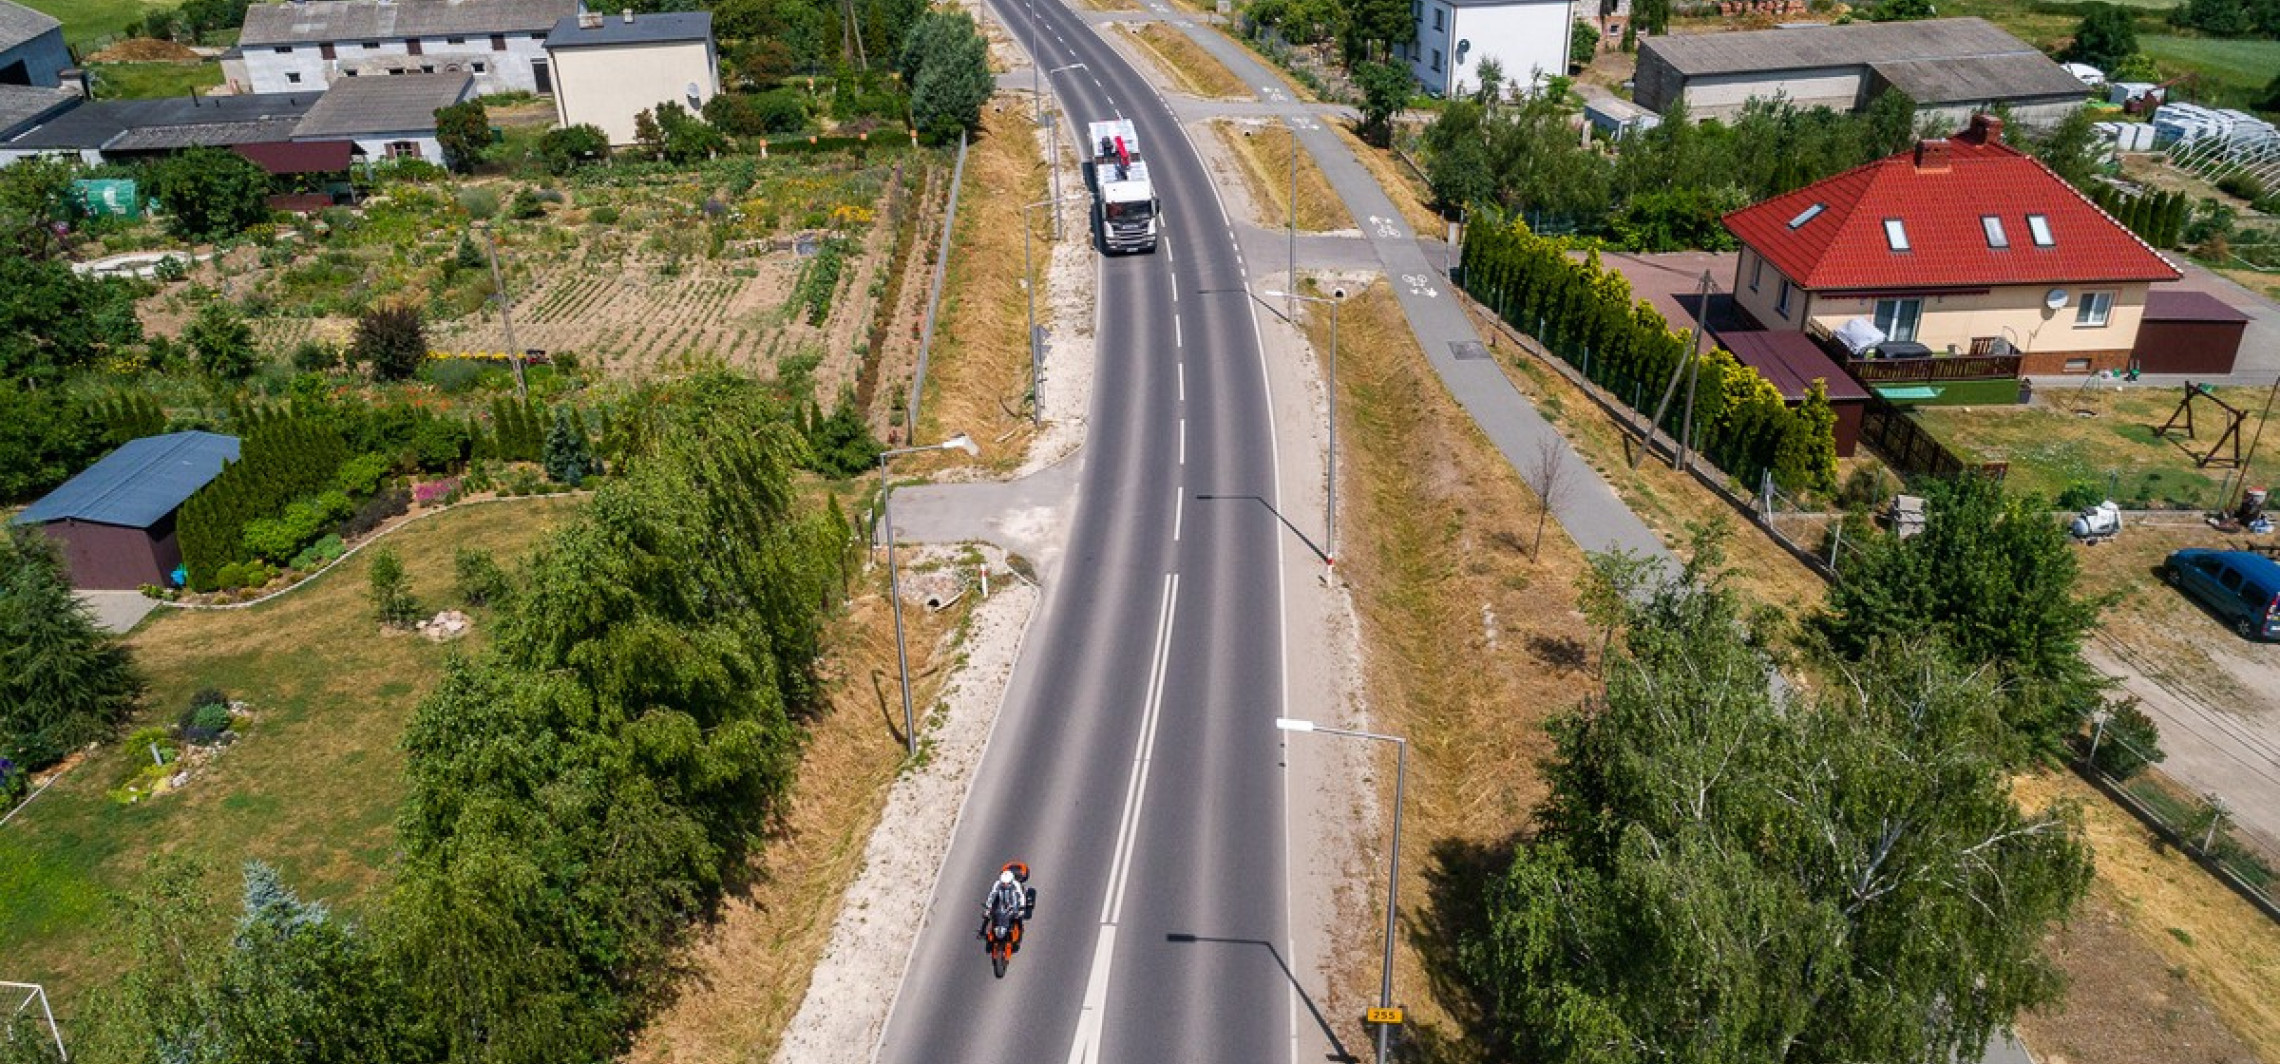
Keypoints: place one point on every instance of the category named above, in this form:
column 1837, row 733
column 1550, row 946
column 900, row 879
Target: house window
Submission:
column 413, row 47
column 292, row 77
column 283, row 49
column 427, row 68
column 479, row 66
column 498, row 42
column 372, row 46
column 1440, row 19
column 1896, row 234
column 403, row 149
column 1436, row 60
column 1416, row 10
column 349, row 73
column 1757, row 270
column 455, row 40
column 1996, row 237
column 2038, row 226
column 1781, row 304
column 1807, row 215
column 2094, row 310
column 326, row 50
column 1897, row 318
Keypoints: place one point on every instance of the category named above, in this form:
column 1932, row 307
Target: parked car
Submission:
column 2242, row 587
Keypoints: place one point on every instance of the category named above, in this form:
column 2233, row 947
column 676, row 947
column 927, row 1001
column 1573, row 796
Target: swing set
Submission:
column 2228, row 440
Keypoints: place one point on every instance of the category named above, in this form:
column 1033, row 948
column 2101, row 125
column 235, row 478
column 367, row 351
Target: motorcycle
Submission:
column 1001, row 929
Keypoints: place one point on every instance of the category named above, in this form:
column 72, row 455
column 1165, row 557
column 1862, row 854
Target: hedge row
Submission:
column 1584, row 313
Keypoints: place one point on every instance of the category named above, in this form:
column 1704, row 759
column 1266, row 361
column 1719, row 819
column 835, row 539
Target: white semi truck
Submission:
column 1124, row 201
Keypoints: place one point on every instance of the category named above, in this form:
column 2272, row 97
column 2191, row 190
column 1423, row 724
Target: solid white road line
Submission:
column 1085, row 1047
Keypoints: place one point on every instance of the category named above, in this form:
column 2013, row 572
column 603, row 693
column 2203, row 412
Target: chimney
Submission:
column 1932, row 156
column 589, row 20
column 1985, row 129
column 629, row 16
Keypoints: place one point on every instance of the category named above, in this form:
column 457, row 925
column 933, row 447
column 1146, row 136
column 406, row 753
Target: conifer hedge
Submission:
column 281, row 457
column 1584, row 314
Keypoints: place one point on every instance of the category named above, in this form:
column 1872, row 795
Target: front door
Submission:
column 543, row 76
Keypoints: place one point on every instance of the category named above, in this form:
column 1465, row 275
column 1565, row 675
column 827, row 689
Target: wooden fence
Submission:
column 1873, row 371
column 1913, row 451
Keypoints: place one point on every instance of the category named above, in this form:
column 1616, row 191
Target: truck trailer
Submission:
column 1124, row 200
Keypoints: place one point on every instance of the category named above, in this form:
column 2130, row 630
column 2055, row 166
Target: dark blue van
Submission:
column 2243, row 587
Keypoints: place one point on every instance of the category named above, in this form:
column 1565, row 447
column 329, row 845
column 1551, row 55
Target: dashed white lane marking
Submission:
column 1177, row 337
column 1182, row 368
column 1183, row 441
column 1179, row 511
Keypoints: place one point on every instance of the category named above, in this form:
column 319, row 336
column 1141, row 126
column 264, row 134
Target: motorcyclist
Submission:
column 1006, row 895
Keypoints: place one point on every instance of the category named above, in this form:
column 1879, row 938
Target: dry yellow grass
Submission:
column 1662, row 497
column 1402, row 186
column 1113, row 5
column 1191, row 69
column 748, row 971
column 977, row 376
column 2226, row 949
column 1472, row 645
column 1265, row 150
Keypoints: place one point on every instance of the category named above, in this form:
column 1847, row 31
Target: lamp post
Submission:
column 1053, row 150
column 1029, row 288
column 959, row 442
column 1290, row 239
column 506, row 324
column 1393, row 861
column 1330, row 389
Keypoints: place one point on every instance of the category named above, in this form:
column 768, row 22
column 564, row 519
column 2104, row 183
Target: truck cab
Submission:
column 1125, row 207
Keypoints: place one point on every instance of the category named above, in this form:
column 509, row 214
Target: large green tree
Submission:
column 1386, row 90
column 63, row 681
column 35, row 197
column 464, row 132
column 2106, row 35
column 1456, row 154
column 53, row 321
column 45, row 437
column 210, row 193
column 948, row 67
column 1994, row 578
column 223, row 341
column 1723, row 875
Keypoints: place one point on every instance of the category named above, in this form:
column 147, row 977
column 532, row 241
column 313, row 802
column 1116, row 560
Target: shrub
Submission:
column 2243, row 184
column 2080, row 495
column 479, row 203
column 526, row 205
column 171, row 268
column 565, row 148
column 392, row 600
column 455, row 376
column 776, row 111
column 481, row 581
column 603, row 215
column 2131, row 742
column 316, row 356
column 14, row 783
column 393, row 341
column 214, row 719
column 360, row 476
column 376, row 511
column 568, row 456
column 436, row 492
column 320, row 553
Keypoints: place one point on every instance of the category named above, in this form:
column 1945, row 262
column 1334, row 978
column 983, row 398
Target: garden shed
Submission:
column 1792, row 361
column 115, row 520
column 2188, row 332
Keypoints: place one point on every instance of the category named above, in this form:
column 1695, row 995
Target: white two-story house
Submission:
column 308, row 44
column 1527, row 38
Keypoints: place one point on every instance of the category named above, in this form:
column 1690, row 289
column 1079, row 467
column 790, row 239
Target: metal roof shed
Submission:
column 115, row 520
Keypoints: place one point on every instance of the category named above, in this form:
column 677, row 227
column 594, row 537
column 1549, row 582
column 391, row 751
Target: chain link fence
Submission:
column 2116, row 752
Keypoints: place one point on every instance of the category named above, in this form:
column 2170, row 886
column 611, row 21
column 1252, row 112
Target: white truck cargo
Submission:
column 1124, row 201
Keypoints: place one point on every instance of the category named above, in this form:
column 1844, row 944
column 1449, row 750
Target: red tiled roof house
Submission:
column 1966, row 245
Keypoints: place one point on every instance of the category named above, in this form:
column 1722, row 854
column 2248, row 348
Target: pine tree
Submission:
column 568, row 457
column 63, row 681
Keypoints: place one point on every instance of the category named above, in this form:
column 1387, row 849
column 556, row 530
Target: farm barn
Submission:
column 115, row 520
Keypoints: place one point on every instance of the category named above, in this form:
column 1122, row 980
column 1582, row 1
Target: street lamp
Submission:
column 1290, row 240
column 1053, row 150
column 506, row 324
column 1029, row 287
column 959, row 442
column 1393, row 862
column 1330, row 389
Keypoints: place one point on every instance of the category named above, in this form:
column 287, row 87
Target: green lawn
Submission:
column 145, row 81
column 312, row 788
column 2102, row 438
column 87, row 20
column 2247, row 65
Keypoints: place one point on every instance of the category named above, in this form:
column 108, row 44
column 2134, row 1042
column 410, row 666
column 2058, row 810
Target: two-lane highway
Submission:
column 1135, row 766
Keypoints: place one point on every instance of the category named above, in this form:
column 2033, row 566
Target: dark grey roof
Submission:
column 19, row 24
column 138, row 484
column 22, row 105
column 661, row 28
column 1971, row 80
column 99, row 123
column 366, row 20
column 1854, row 44
column 394, row 104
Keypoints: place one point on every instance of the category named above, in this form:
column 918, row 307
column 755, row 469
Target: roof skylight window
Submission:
column 1807, row 215
column 2039, row 226
column 1896, row 234
column 1996, row 237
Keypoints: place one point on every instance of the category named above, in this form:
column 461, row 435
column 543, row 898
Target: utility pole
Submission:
column 1291, row 309
column 1693, row 372
column 506, row 323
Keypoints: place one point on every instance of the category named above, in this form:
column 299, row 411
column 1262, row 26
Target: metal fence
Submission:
column 2198, row 824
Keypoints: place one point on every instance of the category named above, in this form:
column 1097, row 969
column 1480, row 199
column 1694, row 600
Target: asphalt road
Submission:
column 1135, row 766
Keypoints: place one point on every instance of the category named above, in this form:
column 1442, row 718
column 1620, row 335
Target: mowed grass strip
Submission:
column 977, row 376
column 86, row 20
column 1470, row 646
column 147, row 81
column 2220, row 945
column 749, row 970
column 312, row 788
column 2243, row 64
column 1266, row 149
column 2103, row 438
column 1191, row 69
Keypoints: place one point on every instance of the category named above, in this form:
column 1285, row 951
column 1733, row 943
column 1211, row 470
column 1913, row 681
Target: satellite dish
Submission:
column 694, row 90
column 2055, row 298
column 1464, row 46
